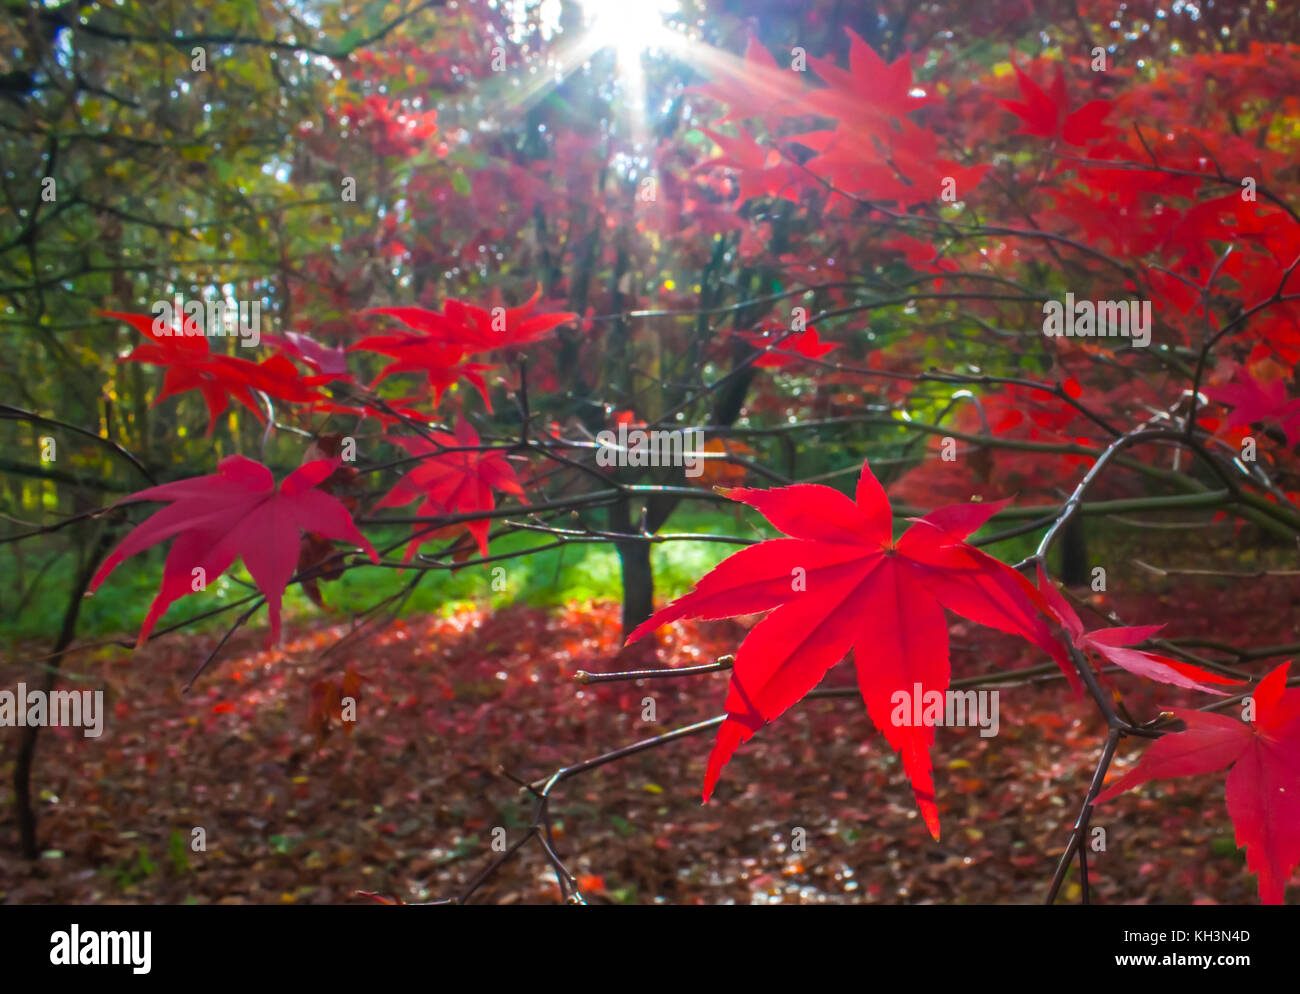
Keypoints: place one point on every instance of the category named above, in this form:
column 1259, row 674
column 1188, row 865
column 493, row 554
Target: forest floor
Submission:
column 814, row 810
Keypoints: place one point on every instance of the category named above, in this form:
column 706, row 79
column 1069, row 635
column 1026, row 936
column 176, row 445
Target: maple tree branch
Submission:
column 722, row 663
column 8, row 412
column 1081, row 823
column 1244, row 655
column 212, row 654
column 65, row 15
column 1213, row 339
column 1177, row 571
column 1071, row 505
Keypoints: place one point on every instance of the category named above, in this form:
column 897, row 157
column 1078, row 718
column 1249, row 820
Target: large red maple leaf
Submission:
column 452, row 482
column 1263, row 786
column 237, row 512
column 841, row 581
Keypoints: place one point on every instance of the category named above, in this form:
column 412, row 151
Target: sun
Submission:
column 630, row 27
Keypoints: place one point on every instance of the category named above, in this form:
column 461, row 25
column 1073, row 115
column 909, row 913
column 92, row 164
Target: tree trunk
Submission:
column 638, row 584
column 1075, row 571
column 26, row 812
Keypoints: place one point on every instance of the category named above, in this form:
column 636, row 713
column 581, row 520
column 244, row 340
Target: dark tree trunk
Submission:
column 26, row 812
column 1074, row 554
column 634, row 557
column 638, row 584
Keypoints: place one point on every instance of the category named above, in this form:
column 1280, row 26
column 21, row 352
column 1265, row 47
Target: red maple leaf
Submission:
column 760, row 172
column 840, row 582
column 331, row 362
column 441, row 364
column 1253, row 402
column 870, row 92
column 805, row 343
column 237, row 512
column 1047, row 114
column 476, row 329
column 876, row 150
column 1263, row 786
column 900, row 163
column 758, row 87
column 459, row 482
column 191, row 365
column 1113, row 645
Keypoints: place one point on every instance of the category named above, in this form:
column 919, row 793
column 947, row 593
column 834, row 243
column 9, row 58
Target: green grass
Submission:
column 555, row 576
